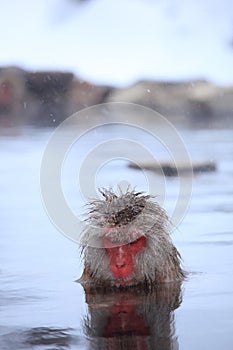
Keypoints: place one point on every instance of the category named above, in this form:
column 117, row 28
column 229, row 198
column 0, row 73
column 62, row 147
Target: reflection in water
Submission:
column 39, row 338
column 46, row 336
column 132, row 319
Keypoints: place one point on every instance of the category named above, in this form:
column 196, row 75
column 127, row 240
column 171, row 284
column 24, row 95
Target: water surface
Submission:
column 42, row 307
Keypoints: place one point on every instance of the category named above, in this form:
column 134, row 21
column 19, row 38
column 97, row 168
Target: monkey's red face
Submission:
column 122, row 258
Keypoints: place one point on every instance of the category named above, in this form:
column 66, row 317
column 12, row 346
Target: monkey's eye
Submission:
column 138, row 244
column 134, row 242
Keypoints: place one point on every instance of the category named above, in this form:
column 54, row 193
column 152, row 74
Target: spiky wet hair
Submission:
column 117, row 210
column 122, row 212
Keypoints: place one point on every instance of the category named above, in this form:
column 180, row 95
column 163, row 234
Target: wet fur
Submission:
column 158, row 262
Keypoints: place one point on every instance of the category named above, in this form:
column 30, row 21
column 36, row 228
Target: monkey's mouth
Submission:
column 124, row 280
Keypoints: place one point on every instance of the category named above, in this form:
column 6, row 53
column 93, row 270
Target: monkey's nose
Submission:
column 120, row 264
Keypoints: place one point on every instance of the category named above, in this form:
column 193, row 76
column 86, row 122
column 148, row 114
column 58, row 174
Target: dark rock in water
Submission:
column 176, row 169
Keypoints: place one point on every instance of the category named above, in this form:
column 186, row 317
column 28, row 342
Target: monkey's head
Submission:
column 126, row 242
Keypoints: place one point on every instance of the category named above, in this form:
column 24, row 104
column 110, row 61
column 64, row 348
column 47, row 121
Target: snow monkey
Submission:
column 126, row 243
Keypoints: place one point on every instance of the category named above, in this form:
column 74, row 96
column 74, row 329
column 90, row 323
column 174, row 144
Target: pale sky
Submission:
column 119, row 42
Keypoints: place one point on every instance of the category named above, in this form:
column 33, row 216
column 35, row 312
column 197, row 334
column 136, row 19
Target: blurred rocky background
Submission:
column 60, row 56
column 46, row 98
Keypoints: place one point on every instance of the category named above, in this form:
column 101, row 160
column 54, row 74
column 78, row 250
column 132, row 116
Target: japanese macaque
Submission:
column 126, row 242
